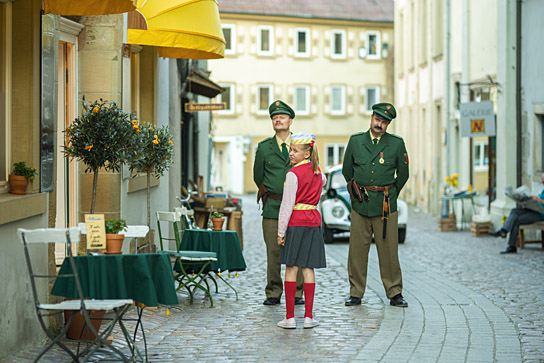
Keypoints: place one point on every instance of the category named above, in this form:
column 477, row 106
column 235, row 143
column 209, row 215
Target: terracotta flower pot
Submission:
column 17, row 184
column 218, row 223
column 114, row 242
column 78, row 328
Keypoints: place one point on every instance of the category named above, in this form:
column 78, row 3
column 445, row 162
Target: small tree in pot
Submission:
column 155, row 148
column 101, row 137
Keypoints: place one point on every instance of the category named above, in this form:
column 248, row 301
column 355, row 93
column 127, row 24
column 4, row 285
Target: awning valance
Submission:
column 180, row 28
column 87, row 7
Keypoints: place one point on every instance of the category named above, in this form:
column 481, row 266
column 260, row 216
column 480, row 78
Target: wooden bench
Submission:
column 534, row 226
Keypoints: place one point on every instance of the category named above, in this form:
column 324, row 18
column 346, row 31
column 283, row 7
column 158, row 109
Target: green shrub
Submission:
column 21, row 169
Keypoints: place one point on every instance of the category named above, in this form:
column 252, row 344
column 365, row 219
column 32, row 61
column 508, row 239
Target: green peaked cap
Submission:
column 385, row 110
column 279, row 106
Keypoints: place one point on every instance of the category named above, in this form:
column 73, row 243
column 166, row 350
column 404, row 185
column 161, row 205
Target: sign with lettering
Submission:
column 96, row 231
column 477, row 119
column 195, row 107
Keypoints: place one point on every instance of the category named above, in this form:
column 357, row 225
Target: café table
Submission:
column 225, row 244
column 462, row 196
column 145, row 278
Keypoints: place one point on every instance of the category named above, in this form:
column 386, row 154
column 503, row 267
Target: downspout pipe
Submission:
column 448, row 90
column 519, row 105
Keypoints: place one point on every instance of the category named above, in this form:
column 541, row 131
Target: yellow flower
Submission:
column 96, row 109
column 89, row 147
column 170, row 142
column 455, row 176
column 135, row 127
column 155, row 141
column 134, row 122
column 470, row 188
column 447, row 179
column 167, row 312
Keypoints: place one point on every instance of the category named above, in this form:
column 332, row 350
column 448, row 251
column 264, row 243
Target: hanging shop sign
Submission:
column 477, row 119
column 195, row 107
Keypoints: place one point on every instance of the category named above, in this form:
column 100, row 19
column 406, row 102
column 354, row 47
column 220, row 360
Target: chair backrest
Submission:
column 49, row 235
column 171, row 217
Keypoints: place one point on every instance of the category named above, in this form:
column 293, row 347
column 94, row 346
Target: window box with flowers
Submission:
column 18, row 181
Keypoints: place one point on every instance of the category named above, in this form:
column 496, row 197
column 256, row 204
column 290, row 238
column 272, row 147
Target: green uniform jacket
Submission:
column 362, row 163
column 270, row 168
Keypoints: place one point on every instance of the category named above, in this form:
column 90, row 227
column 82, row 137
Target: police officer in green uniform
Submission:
column 376, row 167
column 271, row 165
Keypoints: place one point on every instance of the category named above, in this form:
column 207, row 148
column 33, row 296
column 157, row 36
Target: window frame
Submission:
column 5, row 87
column 343, row 45
column 306, row 111
column 271, row 40
column 270, row 98
column 336, row 153
column 483, row 145
column 368, row 107
column 307, row 52
column 232, row 99
column 342, row 111
column 232, row 49
column 369, row 55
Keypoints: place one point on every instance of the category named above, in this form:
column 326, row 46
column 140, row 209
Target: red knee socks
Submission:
column 290, row 290
column 309, row 290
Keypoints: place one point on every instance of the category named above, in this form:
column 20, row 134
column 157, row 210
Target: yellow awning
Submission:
column 87, row 7
column 181, row 28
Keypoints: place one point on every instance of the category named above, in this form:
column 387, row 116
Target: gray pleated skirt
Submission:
column 304, row 247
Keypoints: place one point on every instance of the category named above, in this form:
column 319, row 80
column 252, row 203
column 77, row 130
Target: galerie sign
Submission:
column 477, row 119
column 96, row 231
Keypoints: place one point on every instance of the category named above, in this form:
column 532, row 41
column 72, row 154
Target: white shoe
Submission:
column 288, row 323
column 310, row 323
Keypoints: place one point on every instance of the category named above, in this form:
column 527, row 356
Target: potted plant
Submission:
column 114, row 240
column 154, row 149
column 217, row 220
column 102, row 138
column 18, row 181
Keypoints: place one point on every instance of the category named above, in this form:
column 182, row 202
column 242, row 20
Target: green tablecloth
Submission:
column 224, row 243
column 145, row 277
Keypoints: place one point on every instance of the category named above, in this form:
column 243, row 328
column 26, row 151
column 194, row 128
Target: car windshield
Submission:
column 337, row 181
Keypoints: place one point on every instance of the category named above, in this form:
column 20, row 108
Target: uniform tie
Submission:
column 284, row 151
column 375, row 141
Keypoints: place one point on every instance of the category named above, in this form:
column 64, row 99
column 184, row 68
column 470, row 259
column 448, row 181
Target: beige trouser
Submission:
column 274, row 284
column 359, row 245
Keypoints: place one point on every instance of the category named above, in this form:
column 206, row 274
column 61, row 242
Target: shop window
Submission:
column 338, row 100
column 302, row 42
column 229, row 32
column 228, row 96
column 373, row 44
column 338, row 44
column 335, row 155
column 265, row 40
column 372, row 97
column 265, row 93
column 302, row 100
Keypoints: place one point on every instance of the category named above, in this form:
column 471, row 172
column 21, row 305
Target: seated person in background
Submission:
column 517, row 217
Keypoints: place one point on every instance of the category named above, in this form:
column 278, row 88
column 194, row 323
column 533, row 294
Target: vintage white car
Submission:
column 335, row 207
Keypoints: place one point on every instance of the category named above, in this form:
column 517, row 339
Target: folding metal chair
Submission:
column 183, row 259
column 118, row 306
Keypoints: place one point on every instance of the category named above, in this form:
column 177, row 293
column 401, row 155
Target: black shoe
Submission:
column 271, row 301
column 399, row 301
column 352, row 301
column 299, row 301
column 499, row 233
column 509, row 249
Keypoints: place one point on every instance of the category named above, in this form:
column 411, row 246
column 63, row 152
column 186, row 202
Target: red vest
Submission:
column 308, row 192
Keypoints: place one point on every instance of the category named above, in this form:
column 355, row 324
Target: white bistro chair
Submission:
column 118, row 306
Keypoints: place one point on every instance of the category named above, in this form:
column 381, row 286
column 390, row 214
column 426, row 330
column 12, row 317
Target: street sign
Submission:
column 195, row 107
column 477, row 119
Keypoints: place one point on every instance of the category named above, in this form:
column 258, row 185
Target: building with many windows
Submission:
column 330, row 63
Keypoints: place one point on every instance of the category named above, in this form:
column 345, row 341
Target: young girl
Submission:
column 299, row 226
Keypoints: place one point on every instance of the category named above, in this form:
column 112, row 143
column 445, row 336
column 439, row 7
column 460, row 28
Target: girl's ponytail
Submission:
column 315, row 159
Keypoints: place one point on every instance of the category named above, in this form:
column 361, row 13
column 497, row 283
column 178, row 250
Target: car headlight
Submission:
column 338, row 212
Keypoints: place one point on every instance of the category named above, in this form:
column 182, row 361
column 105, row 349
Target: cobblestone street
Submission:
column 466, row 303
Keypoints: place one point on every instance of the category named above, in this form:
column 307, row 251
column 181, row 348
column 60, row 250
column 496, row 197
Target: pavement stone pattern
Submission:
column 467, row 303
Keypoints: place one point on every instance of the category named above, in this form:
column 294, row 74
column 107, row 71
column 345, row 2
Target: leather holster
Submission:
column 354, row 191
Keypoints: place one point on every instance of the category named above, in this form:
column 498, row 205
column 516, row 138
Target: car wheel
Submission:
column 402, row 235
column 327, row 234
